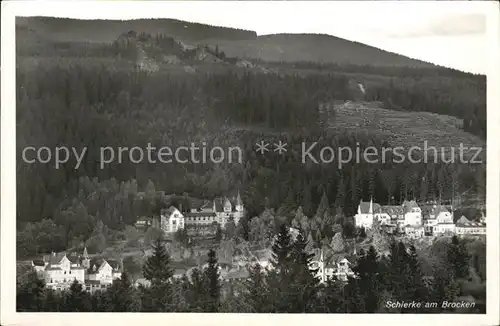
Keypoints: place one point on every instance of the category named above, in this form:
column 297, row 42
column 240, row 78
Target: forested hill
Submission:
column 77, row 30
column 234, row 42
column 320, row 48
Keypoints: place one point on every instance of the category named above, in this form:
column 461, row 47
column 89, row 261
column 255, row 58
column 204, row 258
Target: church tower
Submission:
column 85, row 258
column 239, row 208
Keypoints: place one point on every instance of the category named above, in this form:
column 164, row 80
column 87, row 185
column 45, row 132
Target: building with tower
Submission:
column 60, row 270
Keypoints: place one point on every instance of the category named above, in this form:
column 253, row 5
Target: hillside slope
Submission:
column 234, row 42
column 315, row 48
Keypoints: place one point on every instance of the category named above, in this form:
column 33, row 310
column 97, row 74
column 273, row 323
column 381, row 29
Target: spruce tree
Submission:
column 212, row 281
column 280, row 275
column 157, row 270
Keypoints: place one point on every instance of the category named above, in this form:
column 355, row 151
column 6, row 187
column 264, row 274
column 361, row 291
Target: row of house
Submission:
column 60, row 270
column 414, row 221
column 202, row 214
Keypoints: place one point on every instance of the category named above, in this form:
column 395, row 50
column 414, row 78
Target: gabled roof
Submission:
column 114, row 264
column 74, row 259
column 55, row 258
column 169, row 211
column 463, row 220
column 98, row 263
column 408, row 205
column 365, row 207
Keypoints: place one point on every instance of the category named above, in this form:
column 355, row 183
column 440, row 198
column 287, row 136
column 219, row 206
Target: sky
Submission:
column 448, row 33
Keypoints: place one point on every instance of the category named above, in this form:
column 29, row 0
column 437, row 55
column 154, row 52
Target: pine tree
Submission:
column 212, row 280
column 157, row 270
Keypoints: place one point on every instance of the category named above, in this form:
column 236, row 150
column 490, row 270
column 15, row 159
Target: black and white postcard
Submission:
column 245, row 161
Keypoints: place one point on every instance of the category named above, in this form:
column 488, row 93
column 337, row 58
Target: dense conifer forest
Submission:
column 95, row 95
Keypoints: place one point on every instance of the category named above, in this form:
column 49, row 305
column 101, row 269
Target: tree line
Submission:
column 290, row 286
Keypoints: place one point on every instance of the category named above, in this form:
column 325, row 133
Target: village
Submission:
column 408, row 221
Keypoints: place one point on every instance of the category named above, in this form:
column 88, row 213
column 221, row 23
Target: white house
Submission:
column 171, row 220
column 444, row 220
column 466, row 227
column 59, row 271
column 412, row 213
column 103, row 271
